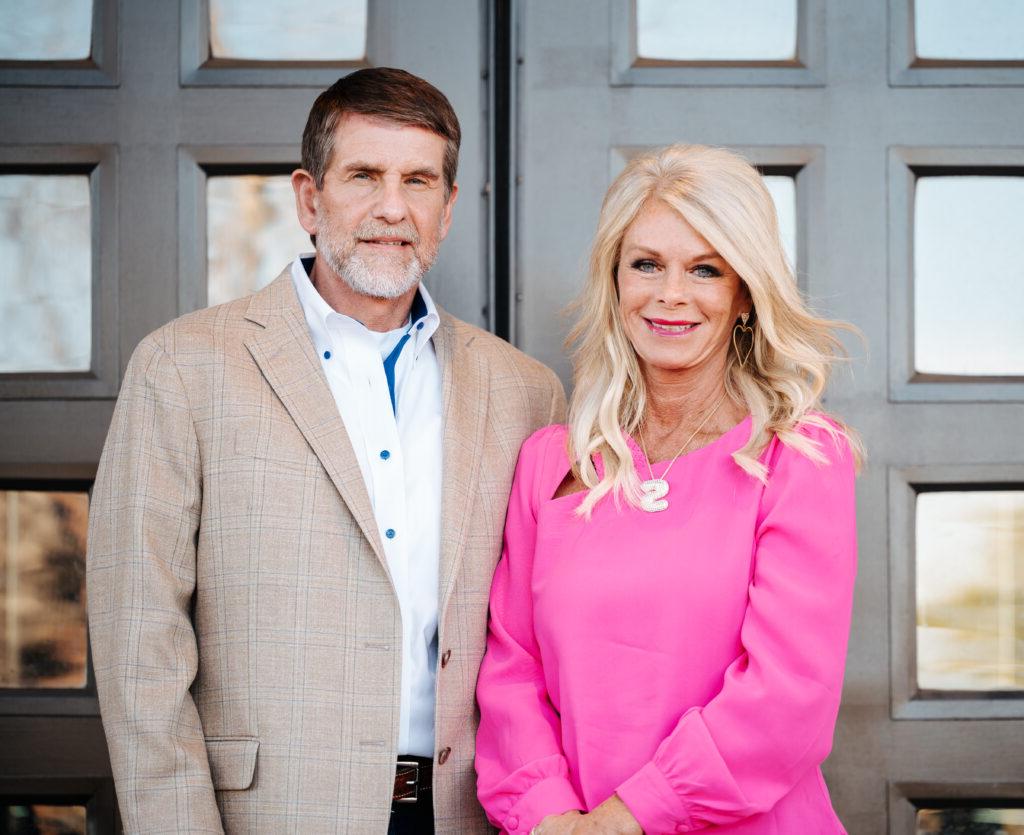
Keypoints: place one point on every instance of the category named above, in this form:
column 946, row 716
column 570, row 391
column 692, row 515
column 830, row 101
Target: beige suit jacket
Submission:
column 245, row 632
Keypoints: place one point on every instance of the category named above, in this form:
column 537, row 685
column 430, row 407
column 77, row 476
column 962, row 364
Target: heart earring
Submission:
column 738, row 332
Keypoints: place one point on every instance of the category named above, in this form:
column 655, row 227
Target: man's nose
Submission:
column 390, row 205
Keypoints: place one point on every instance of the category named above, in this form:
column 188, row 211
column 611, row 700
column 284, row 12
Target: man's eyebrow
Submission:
column 427, row 171
column 369, row 167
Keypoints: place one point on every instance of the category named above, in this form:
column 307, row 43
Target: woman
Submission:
column 670, row 615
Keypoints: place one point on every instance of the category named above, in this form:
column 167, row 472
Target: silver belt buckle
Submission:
column 412, row 782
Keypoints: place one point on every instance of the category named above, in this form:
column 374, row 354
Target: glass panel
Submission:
column 726, row 30
column 252, row 233
column 42, row 820
column 968, row 275
column 45, row 30
column 280, row 30
column 42, row 589
column 970, row 590
column 783, row 192
column 46, row 284
column 967, row 30
column 970, row 822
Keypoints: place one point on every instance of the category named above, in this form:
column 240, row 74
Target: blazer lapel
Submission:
column 464, row 399
column 285, row 355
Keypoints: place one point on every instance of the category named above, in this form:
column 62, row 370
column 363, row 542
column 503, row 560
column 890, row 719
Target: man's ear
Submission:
column 305, row 199
column 446, row 218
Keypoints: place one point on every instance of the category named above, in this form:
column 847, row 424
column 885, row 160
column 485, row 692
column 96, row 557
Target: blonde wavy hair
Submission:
column 723, row 197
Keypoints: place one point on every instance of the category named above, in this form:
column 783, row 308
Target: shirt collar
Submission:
column 422, row 324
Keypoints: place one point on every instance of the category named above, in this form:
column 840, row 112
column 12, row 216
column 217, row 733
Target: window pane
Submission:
column 970, row 590
column 46, row 284
column 967, row 30
column 45, row 30
column 970, row 822
column 42, row 820
column 42, row 589
column 726, row 30
column 783, row 192
column 968, row 275
column 252, row 233
column 280, row 30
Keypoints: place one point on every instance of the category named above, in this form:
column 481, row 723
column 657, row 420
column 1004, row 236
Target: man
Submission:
column 299, row 509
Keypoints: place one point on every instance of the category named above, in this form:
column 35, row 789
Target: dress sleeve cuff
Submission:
column 653, row 802
column 551, row 796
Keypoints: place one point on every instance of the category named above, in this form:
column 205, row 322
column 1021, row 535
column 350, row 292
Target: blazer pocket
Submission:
column 232, row 761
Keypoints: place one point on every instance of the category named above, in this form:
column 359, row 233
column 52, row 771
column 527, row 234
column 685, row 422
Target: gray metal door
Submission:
column 898, row 140
column 173, row 126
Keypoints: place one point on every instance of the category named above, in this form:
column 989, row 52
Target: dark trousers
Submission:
column 412, row 818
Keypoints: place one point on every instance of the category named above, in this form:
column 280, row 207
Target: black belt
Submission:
column 413, row 779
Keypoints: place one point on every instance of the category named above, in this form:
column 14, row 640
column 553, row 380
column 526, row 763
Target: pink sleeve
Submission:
column 522, row 774
column 773, row 719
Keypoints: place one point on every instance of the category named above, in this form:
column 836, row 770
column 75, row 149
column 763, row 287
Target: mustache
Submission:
column 376, row 229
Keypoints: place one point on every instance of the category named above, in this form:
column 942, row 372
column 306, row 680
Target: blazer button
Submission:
column 443, row 755
column 446, row 658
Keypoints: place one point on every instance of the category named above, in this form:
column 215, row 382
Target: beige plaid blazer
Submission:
column 245, row 632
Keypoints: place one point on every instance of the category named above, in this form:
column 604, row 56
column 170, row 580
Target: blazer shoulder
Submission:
column 208, row 329
column 499, row 354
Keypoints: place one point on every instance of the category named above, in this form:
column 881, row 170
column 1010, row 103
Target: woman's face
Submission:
column 678, row 298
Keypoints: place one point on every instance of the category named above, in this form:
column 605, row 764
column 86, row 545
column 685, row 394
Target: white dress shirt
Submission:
column 390, row 404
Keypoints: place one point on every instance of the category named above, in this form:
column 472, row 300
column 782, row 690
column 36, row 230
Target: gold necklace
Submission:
column 656, row 489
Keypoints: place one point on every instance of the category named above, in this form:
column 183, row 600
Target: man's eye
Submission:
column 644, row 265
column 706, row 271
column 361, row 175
column 416, row 181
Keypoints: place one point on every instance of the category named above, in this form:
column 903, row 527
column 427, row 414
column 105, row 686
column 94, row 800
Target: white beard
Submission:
column 381, row 277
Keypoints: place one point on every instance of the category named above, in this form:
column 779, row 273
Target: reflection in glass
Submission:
column 970, row 590
column 783, row 192
column 279, row 30
column 42, row 589
column 726, row 30
column 968, row 275
column 46, row 281
column 966, row 30
column 252, row 233
column 42, row 820
column 967, row 821
column 45, row 30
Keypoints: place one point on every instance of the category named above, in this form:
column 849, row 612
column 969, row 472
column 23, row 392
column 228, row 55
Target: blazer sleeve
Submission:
column 522, row 774
column 558, row 405
column 141, row 572
column 774, row 717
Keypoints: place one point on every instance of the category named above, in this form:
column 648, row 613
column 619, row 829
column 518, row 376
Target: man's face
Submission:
column 381, row 213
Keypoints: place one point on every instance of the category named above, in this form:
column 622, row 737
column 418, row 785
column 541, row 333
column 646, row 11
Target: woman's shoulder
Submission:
column 817, row 438
column 544, row 442
column 544, row 460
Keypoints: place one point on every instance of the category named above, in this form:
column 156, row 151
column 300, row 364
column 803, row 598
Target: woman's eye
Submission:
column 644, row 265
column 706, row 271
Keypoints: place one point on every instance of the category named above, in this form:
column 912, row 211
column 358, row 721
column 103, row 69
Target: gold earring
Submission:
column 741, row 329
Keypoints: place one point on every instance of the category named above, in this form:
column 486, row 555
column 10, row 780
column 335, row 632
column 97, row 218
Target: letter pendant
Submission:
column 655, row 490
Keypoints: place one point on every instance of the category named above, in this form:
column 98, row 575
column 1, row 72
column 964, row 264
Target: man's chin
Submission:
column 380, row 286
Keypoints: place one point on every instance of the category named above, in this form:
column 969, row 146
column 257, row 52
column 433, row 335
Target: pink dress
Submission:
column 690, row 661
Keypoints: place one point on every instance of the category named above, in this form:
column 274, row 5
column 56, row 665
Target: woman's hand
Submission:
column 610, row 818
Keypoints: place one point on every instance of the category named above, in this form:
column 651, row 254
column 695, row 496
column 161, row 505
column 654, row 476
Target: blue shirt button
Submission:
column 390, row 533
column 327, row 355
column 385, row 454
column 419, row 326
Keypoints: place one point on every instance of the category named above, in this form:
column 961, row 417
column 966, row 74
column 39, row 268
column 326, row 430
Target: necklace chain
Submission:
column 686, row 443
